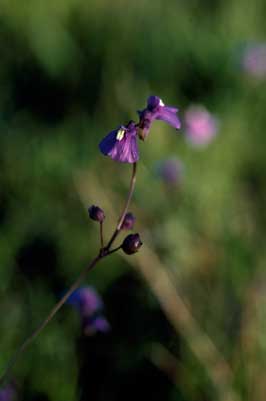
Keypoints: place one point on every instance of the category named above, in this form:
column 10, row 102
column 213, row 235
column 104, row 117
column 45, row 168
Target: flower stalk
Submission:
column 103, row 252
column 120, row 145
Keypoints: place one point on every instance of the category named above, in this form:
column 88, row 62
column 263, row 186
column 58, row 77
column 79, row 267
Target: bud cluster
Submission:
column 132, row 242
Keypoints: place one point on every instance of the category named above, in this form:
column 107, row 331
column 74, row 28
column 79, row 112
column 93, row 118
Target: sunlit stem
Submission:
column 125, row 210
column 101, row 234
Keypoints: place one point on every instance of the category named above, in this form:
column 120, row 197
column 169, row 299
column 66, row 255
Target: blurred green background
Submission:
column 70, row 72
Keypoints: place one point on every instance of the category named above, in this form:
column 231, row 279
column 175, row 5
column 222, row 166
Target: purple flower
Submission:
column 171, row 171
column 90, row 307
column 254, row 60
column 201, row 126
column 95, row 324
column 86, row 300
column 7, row 393
column 121, row 144
column 156, row 110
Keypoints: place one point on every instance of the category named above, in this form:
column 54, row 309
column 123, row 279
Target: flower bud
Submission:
column 131, row 244
column 128, row 222
column 96, row 213
column 144, row 127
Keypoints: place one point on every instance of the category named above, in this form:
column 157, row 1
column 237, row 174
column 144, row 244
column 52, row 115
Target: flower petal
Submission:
column 126, row 151
column 167, row 114
column 153, row 102
column 171, row 109
column 122, row 149
column 108, row 142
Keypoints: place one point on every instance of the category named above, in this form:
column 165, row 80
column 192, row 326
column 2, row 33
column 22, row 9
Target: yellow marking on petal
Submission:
column 120, row 134
column 161, row 103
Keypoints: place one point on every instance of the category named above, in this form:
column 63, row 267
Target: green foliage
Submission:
column 70, row 72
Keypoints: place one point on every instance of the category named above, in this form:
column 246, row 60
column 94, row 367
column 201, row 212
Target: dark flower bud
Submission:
column 96, row 213
column 128, row 222
column 144, row 127
column 131, row 244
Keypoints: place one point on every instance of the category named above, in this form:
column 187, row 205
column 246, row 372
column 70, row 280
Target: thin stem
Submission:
column 102, row 253
column 129, row 196
column 59, row 304
column 115, row 249
column 101, row 234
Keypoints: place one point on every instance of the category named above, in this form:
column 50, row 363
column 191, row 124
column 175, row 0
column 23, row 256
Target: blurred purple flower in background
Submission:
column 254, row 60
column 90, row 307
column 7, row 393
column 156, row 110
column 121, row 144
column 171, row 171
column 201, row 126
column 94, row 324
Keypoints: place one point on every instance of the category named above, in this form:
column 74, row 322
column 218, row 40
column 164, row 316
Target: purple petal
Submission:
column 7, row 393
column 124, row 150
column 86, row 300
column 90, row 301
column 99, row 324
column 107, row 144
column 156, row 110
column 167, row 114
column 153, row 102
column 171, row 109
